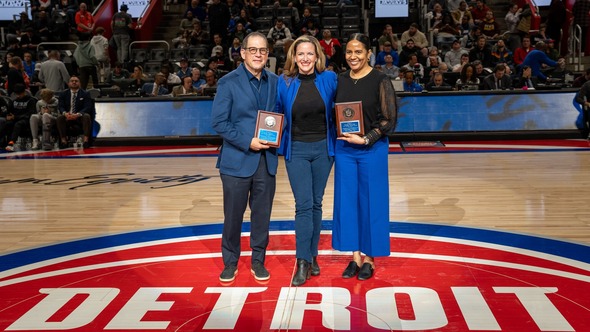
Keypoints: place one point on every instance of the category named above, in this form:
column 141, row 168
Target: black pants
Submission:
column 85, row 73
column 258, row 191
column 62, row 125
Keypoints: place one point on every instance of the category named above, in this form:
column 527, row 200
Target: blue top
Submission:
column 535, row 59
column 380, row 60
column 414, row 87
column 326, row 83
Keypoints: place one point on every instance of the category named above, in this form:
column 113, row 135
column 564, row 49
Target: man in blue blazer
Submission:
column 76, row 107
column 247, row 164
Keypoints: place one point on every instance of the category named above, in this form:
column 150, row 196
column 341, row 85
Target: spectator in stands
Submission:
column 434, row 66
column 540, row 35
column 219, row 17
column 453, row 56
column 252, row 7
column 210, row 80
column 217, row 41
column 84, row 21
column 43, row 26
column 234, row 50
column 500, row 54
column 118, row 73
column 552, row 53
column 467, row 78
column 197, row 80
column 435, row 16
column 53, row 72
column 45, row 118
column 29, row 40
column 197, row 10
column 389, row 36
column 459, row 67
column 171, row 78
column 418, row 38
column 305, row 18
column 481, row 52
column 198, row 35
column 461, row 12
column 453, row 5
column 182, row 39
column 479, row 11
column 76, row 108
column 246, row 20
column 536, row 59
column 470, row 40
column 14, row 75
column 222, row 61
column 184, row 69
column 312, row 29
column 101, row 51
column 138, row 79
column 581, row 10
column 61, row 21
column 446, row 32
column 187, row 22
column 526, row 80
column 512, row 18
column 407, row 50
column 331, row 46
column 442, row 3
column 234, row 8
column 389, row 68
column 387, row 50
column 19, row 113
column 17, row 27
column 86, row 61
column 29, row 64
column 155, row 88
column 121, row 25
column 498, row 80
column 480, row 71
column 409, row 84
column 489, row 27
column 279, row 33
column 416, row 67
column 437, row 83
column 186, row 88
column 578, row 82
column 240, row 32
column 521, row 52
column 38, row 6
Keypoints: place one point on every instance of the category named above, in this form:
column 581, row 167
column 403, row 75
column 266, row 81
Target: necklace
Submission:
column 356, row 80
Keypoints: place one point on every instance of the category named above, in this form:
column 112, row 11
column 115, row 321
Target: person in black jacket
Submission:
column 19, row 114
column 76, row 107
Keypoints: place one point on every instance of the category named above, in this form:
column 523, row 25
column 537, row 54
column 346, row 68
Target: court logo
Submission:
column 439, row 278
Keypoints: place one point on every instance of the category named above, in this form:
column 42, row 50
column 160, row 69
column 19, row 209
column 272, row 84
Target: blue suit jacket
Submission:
column 233, row 116
column 326, row 83
column 84, row 103
column 147, row 89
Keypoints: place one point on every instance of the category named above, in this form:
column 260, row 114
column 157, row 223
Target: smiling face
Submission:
column 357, row 56
column 305, row 57
column 255, row 62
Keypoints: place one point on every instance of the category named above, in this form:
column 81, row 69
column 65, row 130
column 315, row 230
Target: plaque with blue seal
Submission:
column 269, row 128
column 349, row 118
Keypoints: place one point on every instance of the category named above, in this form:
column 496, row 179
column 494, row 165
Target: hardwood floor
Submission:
column 50, row 200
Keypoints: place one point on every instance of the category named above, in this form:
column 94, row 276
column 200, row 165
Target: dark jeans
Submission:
column 19, row 129
column 85, row 73
column 308, row 168
column 258, row 191
column 63, row 124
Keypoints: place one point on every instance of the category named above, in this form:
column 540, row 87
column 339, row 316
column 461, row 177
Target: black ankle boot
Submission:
column 315, row 268
column 302, row 274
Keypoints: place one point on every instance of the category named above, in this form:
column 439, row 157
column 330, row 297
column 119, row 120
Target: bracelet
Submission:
column 366, row 140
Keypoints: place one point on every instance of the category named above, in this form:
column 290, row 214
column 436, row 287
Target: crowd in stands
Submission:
column 462, row 47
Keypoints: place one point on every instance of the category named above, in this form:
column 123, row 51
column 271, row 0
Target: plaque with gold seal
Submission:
column 349, row 118
column 269, row 128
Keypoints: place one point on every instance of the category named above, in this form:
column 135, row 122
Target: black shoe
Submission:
column 85, row 145
column 351, row 270
column 315, row 268
column 302, row 274
column 366, row 272
column 228, row 274
column 259, row 271
column 63, row 145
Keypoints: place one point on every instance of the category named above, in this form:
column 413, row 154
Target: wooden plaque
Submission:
column 349, row 118
column 269, row 128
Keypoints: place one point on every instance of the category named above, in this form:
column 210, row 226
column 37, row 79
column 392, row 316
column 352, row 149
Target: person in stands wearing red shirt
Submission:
column 331, row 46
column 479, row 12
column 84, row 21
column 521, row 52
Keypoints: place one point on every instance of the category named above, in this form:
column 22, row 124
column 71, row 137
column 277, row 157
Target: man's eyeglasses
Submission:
column 253, row 50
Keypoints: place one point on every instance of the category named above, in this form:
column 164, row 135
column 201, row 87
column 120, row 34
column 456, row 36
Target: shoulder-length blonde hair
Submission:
column 290, row 69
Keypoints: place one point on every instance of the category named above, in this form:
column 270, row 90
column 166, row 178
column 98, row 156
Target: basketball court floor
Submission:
column 485, row 236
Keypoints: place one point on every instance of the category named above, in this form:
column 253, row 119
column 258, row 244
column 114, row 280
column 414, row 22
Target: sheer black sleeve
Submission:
column 388, row 117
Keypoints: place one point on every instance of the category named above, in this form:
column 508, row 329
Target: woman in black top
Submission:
column 361, row 189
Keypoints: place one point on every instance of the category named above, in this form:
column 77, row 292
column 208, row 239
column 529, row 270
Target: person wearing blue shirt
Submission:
column 409, row 84
column 306, row 93
column 380, row 60
column 536, row 58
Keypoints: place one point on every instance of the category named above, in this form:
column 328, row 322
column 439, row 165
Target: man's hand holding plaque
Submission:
column 269, row 128
column 349, row 118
